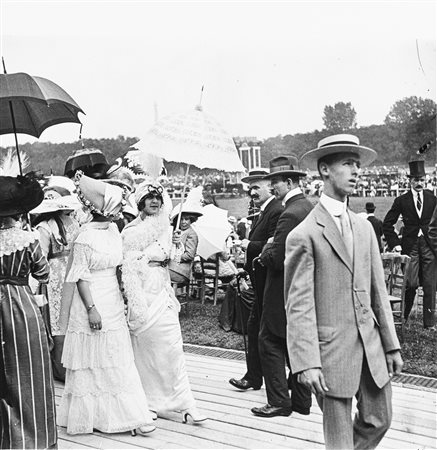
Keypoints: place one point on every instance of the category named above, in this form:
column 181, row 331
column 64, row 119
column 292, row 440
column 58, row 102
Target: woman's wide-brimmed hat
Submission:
column 19, row 195
column 58, row 186
column 338, row 143
column 284, row 166
column 254, row 175
column 66, row 203
column 192, row 210
column 99, row 197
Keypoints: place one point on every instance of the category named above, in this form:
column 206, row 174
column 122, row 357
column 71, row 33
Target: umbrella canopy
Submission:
column 212, row 229
column 195, row 138
column 33, row 104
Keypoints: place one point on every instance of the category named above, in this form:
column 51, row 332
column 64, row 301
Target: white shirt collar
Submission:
column 290, row 194
column 415, row 194
column 370, row 214
column 333, row 206
column 264, row 205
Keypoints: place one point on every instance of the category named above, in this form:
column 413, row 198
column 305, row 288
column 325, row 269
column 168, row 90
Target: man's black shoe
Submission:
column 303, row 411
column 271, row 411
column 243, row 384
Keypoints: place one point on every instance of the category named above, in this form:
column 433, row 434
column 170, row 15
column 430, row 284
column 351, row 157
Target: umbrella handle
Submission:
column 183, row 197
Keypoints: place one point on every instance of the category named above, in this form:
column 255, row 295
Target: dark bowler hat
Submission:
column 338, row 143
column 255, row 174
column 19, row 195
column 370, row 207
column 284, row 166
column 417, row 168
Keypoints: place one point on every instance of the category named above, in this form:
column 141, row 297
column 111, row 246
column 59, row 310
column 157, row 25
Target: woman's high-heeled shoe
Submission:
column 145, row 429
column 194, row 414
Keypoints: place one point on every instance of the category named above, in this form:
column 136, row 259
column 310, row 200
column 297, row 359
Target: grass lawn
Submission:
column 200, row 326
column 238, row 206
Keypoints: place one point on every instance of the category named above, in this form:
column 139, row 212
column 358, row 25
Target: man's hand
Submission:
column 244, row 244
column 313, row 379
column 269, row 240
column 397, row 249
column 394, row 362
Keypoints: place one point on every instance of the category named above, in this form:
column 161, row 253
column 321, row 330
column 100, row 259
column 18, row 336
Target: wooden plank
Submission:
column 232, row 425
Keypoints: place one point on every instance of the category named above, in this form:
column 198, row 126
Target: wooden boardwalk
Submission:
column 232, row 425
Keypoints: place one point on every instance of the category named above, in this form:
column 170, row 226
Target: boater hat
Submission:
column 338, row 143
column 284, row 166
column 255, row 174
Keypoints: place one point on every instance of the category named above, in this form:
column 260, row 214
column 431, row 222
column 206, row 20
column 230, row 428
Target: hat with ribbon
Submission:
column 58, row 186
column 338, row 143
column 66, row 203
column 254, row 175
column 417, row 168
column 19, row 195
column 284, row 166
column 148, row 187
column 99, row 197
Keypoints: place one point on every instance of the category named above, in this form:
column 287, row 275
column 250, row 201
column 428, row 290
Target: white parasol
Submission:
column 212, row 229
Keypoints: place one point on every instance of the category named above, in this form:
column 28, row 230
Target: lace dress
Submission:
column 27, row 398
column 102, row 386
column 154, row 316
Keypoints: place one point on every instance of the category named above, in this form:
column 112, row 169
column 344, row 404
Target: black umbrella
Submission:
column 30, row 104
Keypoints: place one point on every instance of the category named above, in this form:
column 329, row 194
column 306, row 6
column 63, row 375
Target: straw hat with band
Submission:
column 255, row 174
column 99, row 197
column 284, row 166
column 19, row 195
column 338, row 143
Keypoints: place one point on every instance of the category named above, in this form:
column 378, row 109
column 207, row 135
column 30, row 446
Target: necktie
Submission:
column 346, row 232
column 419, row 202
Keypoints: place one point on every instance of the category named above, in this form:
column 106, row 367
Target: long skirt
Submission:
column 159, row 357
column 27, row 402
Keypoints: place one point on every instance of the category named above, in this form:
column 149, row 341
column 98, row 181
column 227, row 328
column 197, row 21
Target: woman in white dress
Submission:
column 102, row 387
column 153, row 310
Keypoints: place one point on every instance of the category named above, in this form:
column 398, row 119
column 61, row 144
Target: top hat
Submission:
column 19, row 195
column 370, row 207
column 338, row 143
column 284, row 166
column 417, row 168
column 255, row 174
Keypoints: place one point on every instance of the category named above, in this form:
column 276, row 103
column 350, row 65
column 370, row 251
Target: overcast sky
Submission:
column 268, row 68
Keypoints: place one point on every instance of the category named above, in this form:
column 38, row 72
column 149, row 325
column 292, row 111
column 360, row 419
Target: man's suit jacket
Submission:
column 272, row 257
column 337, row 311
column 263, row 229
column 377, row 227
column 432, row 232
column 404, row 205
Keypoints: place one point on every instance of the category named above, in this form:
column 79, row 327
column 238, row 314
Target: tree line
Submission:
column 409, row 126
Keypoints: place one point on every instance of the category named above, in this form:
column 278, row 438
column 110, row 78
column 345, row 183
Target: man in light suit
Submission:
column 272, row 344
column 416, row 207
column 340, row 332
column 262, row 229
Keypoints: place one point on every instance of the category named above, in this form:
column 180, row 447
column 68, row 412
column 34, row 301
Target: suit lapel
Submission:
column 411, row 205
column 332, row 234
column 360, row 242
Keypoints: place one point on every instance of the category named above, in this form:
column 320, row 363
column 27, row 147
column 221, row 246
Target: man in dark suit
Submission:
column 263, row 228
column 272, row 337
column 416, row 207
column 432, row 232
column 376, row 223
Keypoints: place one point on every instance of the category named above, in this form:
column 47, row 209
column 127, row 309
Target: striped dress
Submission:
column 27, row 402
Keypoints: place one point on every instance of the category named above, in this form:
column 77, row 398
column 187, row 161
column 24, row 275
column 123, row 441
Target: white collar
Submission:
column 264, row 205
column 415, row 193
column 290, row 194
column 333, row 206
column 370, row 214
